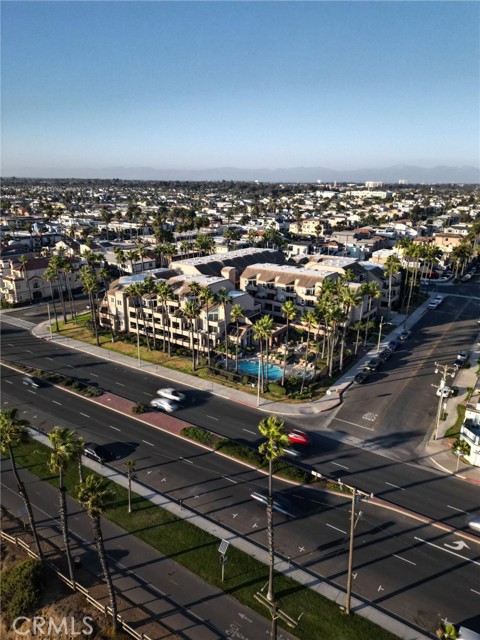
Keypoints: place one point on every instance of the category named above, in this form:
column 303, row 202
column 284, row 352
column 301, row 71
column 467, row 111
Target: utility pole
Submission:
column 380, row 334
column 276, row 613
column 446, row 370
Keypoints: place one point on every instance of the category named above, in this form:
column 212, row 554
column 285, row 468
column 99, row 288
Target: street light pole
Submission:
column 445, row 370
column 380, row 334
column 258, row 382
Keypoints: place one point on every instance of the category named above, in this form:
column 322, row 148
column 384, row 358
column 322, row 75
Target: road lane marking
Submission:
column 8, row 381
column 185, row 460
column 230, row 480
column 70, row 366
column 447, row 551
column 48, row 358
column 477, row 592
column 28, row 351
column 337, row 464
column 449, row 506
column 248, row 431
column 84, row 414
column 112, row 427
column 146, row 394
column 336, row 528
column 10, row 344
column 120, row 384
column 152, row 445
column 213, row 418
column 404, row 559
column 95, row 375
column 57, row 402
column 395, row 485
column 360, row 426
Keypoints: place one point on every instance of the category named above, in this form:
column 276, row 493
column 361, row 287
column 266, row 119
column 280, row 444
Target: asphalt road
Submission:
column 392, row 566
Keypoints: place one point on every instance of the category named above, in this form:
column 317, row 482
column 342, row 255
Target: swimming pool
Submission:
column 252, row 368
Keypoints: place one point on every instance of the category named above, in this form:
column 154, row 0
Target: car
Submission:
column 32, row 381
column 280, row 503
column 295, row 436
column 445, row 278
column 433, row 304
column 171, row 394
column 373, row 364
column 463, row 355
column 394, row 344
column 459, row 363
column 466, row 277
column 439, row 298
column 474, row 523
column 293, row 451
column 96, row 452
column 385, row 354
column 361, row 376
column 405, row 335
column 163, row 404
column 446, row 392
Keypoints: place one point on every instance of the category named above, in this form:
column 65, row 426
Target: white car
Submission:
column 164, row 405
column 439, row 298
column 171, row 394
column 433, row 304
column 446, row 392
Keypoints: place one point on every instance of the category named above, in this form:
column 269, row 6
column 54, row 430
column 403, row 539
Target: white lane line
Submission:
column 8, row 381
column 84, row 414
column 336, row 528
column 337, row 464
column 28, row 351
column 361, row 426
column 477, row 592
column 10, row 344
column 404, row 559
column 120, row 384
column 449, row 506
column 447, row 551
column 395, row 485
column 213, row 418
column 145, row 441
column 146, row 394
column 248, row 431
column 230, row 480
column 70, row 366
column 48, row 358
column 184, row 460
column 94, row 375
column 112, row 427
column 57, row 402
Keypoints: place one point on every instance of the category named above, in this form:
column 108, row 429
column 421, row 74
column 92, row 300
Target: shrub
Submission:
column 22, row 586
column 277, row 389
column 200, row 435
column 139, row 408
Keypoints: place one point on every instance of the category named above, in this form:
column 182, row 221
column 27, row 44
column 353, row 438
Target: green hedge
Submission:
column 22, row 586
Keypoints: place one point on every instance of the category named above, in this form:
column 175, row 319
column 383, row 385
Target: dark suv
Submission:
column 96, row 452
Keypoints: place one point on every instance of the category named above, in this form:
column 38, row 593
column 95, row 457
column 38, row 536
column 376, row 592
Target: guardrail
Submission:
column 75, row 586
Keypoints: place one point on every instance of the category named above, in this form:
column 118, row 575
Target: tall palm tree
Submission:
column 13, row 432
column 64, row 450
column 191, row 312
column 90, row 286
column 289, row 311
column 208, row 297
column 349, row 299
column 392, row 269
column 49, row 275
column 56, row 265
column 165, row 294
column 272, row 428
column 267, row 327
column 24, row 261
column 67, row 268
column 371, row 290
column 93, row 495
column 236, row 313
column 309, row 320
column 224, row 298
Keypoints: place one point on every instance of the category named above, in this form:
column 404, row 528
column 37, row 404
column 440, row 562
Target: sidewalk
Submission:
column 437, row 451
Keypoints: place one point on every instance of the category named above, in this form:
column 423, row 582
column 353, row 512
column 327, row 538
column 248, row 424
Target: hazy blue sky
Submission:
column 246, row 84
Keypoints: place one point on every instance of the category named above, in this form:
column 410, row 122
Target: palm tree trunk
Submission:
column 208, row 338
column 94, row 316
column 64, row 523
column 271, row 550
column 22, row 491
column 306, row 362
column 193, row 346
column 62, row 299
column 236, row 352
column 97, row 534
column 54, row 306
column 285, row 355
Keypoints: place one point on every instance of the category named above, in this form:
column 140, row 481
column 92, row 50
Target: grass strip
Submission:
column 320, row 619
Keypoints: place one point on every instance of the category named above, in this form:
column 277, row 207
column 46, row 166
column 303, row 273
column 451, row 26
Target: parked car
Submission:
column 439, row 298
column 171, row 394
column 32, row 381
column 163, row 404
column 361, row 377
column 405, row 335
column 474, row 523
column 296, row 436
column 96, row 452
column 394, row 344
column 373, row 364
column 459, row 363
column 463, row 355
column 446, row 392
column 385, row 354
column 280, row 503
column 433, row 304
column 466, row 277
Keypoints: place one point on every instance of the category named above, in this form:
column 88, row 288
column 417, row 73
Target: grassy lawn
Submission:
column 198, row 551
column 454, row 430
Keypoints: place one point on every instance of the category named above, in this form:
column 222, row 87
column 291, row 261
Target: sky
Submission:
column 195, row 85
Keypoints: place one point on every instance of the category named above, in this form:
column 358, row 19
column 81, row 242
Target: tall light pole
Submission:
column 380, row 334
column 259, row 381
column 446, row 370
column 354, row 518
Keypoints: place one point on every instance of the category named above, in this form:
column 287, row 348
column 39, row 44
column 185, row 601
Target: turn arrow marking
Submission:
column 458, row 545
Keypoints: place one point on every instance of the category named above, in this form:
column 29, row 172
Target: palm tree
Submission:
column 236, row 313
column 56, row 265
column 24, row 261
column 208, row 297
column 309, row 320
column 131, row 256
column 289, row 311
column 272, row 428
column 223, row 297
column 349, row 299
column 93, row 495
column 90, row 286
column 392, row 269
column 64, row 449
column 165, row 293
column 49, row 275
column 191, row 312
column 371, row 290
column 267, row 327
column 13, row 432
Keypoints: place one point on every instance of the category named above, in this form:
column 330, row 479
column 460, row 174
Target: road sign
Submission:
column 223, row 547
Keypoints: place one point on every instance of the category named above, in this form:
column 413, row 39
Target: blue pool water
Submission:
column 252, row 367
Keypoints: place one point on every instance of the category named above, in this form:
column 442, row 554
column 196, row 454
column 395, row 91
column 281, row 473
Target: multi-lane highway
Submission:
column 405, row 567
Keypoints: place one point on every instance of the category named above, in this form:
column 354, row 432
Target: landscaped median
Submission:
column 319, row 618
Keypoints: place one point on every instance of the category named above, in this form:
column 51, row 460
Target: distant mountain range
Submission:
column 389, row 175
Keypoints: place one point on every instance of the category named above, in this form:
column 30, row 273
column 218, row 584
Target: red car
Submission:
column 298, row 437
